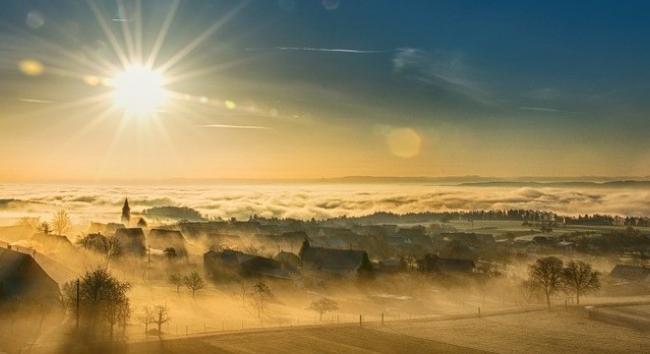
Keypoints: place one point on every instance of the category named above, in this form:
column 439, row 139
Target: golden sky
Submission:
column 136, row 90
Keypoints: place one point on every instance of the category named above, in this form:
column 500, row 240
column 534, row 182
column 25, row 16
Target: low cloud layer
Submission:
column 103, row 203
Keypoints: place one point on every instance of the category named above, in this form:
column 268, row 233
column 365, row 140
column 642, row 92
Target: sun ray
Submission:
column 98, row 118
column 103, row 97
column 138, row 31
column 62, row 51
column 111, row 146
column 162, row 34
column 126, row 30
column 206, row 70
column 201, row 38
column 108, row 33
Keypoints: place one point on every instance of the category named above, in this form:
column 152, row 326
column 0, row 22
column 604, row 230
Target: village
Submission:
column 466, row 260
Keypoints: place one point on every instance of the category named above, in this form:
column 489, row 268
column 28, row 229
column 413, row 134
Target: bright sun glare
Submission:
column 139, row 91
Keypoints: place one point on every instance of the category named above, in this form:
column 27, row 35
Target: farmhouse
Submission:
column 22, row 278
column 131, row 241
column 161, row 239
column 231, row 263
column 96, row 242
column 288, row 260
column 632, row 273
column 333, row 261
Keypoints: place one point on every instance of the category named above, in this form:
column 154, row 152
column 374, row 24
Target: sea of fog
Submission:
column 103, row 202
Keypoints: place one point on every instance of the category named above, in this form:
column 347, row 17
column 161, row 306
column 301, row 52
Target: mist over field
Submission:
column 305, row 201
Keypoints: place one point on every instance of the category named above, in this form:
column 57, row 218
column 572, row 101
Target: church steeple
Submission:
column 126, row 212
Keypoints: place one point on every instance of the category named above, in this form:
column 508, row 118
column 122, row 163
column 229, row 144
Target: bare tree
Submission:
column 160, row 316
column 176, row 280
column 261, row 294
column 528, row 290
column 243, row 291
column 61, row 222
column 546, row 274
column 323, row 306
column 194, row 282
column 147, row 317
column 579, row 278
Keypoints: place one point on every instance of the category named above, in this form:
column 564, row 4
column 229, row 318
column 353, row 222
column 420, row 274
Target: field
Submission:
column 533, row 332
column 530, row 332
column 330, row 339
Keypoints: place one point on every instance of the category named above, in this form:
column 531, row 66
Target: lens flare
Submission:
column 31, row 67
column 404, row 142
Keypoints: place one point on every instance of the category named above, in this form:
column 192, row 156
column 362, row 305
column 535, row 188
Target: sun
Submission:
column 139, row 91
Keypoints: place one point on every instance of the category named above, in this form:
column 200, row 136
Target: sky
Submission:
column 311, row 89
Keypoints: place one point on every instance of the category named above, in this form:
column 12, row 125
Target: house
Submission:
column 333, row 261
column 228, row 263
column 23, row 279
column 288, row 260
column 131, row 241
column 96, row 242
column 162, row 239
column 434, row 264
column 632, row 273
column 451, row 265
column 392, row 265
column 52, row 243
column 106, row 229
column 470, row 238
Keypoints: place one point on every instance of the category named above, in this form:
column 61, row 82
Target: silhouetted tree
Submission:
column 102, row 299
column 579, row 279
column 170, row 253
column 160, row 317
column 261, row 294
column 546, row 274
column 323, row 306
column 44, row 228
column 176, row 280
column 194, row 282
column 147, row 317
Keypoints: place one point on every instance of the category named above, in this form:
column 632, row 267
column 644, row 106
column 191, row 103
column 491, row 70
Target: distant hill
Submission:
column 562, row 184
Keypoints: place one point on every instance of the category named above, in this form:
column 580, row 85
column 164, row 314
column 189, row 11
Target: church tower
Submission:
column 126, row 213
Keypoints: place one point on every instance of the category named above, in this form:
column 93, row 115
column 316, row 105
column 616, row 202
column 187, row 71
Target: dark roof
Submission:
column 244, row 264
column 162, row 239
column 455, row 265
column 131, row 240
column 96, row 242
column 57, row 239
column 332, row 260
column 288, row 259
column 23, row 278
column 229, row 257
column 629, row 272
column 165, row 236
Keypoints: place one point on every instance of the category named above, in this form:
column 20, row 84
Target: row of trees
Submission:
column 192, row 281
column 550, row 276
